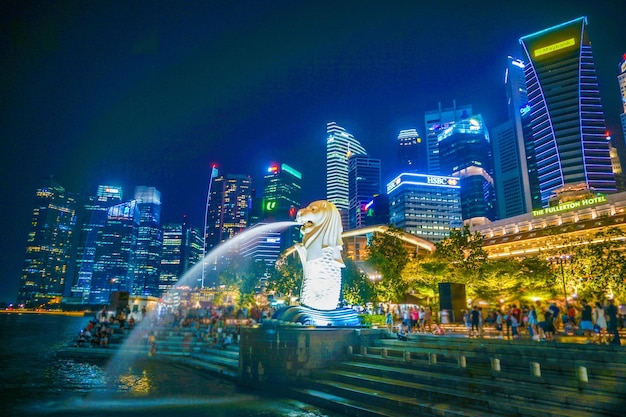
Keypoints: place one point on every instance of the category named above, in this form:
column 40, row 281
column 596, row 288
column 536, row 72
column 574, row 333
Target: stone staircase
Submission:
column 447, row 376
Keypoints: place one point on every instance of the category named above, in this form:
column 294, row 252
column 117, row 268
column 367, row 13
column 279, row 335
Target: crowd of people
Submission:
column 598, row 322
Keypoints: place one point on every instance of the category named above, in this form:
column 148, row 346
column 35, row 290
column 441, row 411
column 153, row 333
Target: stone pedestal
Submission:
column 280, row 354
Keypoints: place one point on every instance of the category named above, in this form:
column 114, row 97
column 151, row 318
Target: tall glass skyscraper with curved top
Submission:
column 340, row 145
column 567, row 120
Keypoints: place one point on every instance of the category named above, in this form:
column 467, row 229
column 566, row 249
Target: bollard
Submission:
column 432, row 358
column 383, row 353
column 535, row 369
column 364, row 350
column 407, row 356
column 462, row 362
column 495, row 364
column 581, row 371
column 350, row 350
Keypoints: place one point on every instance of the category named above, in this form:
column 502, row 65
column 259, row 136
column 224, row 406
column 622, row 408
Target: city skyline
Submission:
column 115, row 94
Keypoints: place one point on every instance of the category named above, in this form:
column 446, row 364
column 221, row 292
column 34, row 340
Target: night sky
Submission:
column 152, row 93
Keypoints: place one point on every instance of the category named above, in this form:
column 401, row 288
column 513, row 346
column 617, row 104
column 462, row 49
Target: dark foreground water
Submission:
column 35, row 382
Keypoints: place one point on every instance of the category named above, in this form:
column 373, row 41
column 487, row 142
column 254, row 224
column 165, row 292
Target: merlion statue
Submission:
column 320, row 253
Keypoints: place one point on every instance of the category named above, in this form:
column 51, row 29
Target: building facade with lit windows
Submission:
column 282, row 198
column 340, row 145
column 539, row 233
column 427, row 206
column 411, row 152
column 364, row 183
column 621, row 80
column 465, row 153
column 436, row 121
column 48, row 248
column 114, row 262
column 149, row 242
column 517, row 186
column 91, row 220
column 568, row 126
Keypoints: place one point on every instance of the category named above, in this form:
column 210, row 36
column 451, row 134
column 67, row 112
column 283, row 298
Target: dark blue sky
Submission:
column 152, row 92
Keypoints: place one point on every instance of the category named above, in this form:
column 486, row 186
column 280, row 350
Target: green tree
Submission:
column 600, row 266
column 356, row 287
column 286, row 277
column 388, row 256
column 464, row 254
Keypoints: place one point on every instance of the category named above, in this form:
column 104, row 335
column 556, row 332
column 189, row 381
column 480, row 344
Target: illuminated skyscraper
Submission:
column 339, row 146
column 515, row 169
column 149, row 242
column 113, row 268
column 621, row 79
column 282, row 197
column 44, row 275
column 229, row 208
column 412, row 152
column 427, row 206
column 435, row 122
column 465, row 153
column 182, row 249
column 92, row 219
column 364, row 184
column 568, row 127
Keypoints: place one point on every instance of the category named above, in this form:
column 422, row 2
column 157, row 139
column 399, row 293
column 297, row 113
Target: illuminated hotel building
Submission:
column 426, row 206
column 551, row 229
column 435, row 122
column 92, row 219
column 567, row 120
column 364, row 184
column 465, row 153
column 340, row 145
column 44, row 275
column 411, row 152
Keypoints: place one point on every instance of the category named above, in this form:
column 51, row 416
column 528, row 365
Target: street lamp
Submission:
column 561, row 260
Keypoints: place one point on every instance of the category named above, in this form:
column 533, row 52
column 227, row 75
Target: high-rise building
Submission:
column 44, row 275
column 340, row 145
column 282, row 198
column 427, row 206
column 435, row 122
column 115, row 253
column 149, row 242
column 513, row 155
column 568, row 126
column 91, row 220
column 364, row 182
column 411, row 152
column 465, row 153
column 172, row 258
column 229, row 208
column 621, row 79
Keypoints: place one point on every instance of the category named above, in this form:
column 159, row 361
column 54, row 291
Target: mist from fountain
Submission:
column 127, row 352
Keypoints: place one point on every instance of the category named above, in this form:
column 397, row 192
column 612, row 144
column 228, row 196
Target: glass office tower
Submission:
column 44, row 275
column 339, row 146
column 364, row 179
column 568, row 126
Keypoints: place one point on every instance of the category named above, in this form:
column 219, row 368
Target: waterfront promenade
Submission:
column 450, row 374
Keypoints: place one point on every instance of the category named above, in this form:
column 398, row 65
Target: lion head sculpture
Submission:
column 321, row 228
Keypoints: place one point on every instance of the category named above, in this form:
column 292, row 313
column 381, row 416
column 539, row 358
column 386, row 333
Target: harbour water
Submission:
column 35, row 382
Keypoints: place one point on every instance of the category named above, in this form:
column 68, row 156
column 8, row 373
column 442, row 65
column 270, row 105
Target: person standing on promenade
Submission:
column 599, row 322
column 611, row 312
column 475, row 317
column 586, row 320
